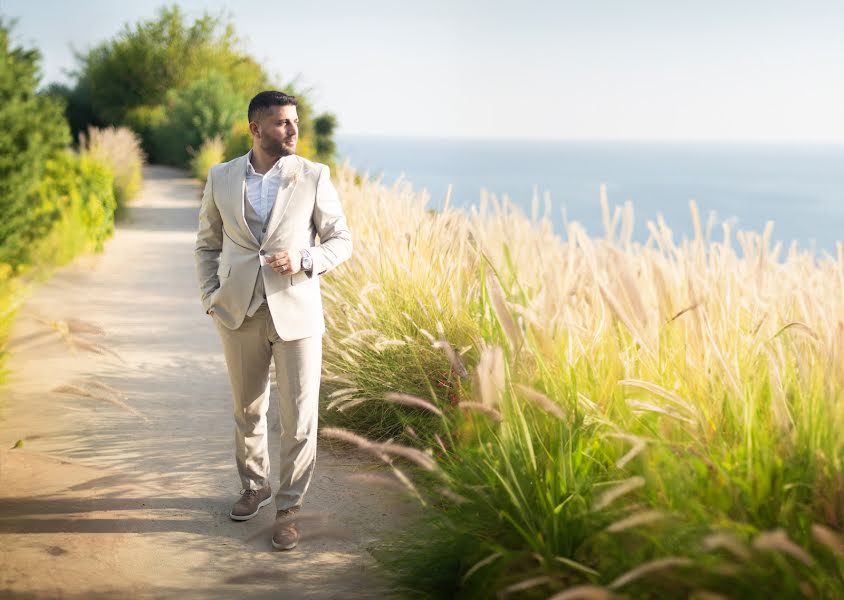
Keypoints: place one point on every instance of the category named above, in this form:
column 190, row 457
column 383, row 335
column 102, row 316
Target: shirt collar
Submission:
column 250, row 170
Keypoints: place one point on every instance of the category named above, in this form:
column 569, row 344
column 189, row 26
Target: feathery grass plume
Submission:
column 387, row 343
column 340, row 396
column 412, row 454
column 583, row 592
column 684, row 311
column 99, row 391
column 828, row 538
column 347, row 436
column 350, row 403
column 644, row 517
column 80, row 344
column 542, row 401
column 489, row 376
column 525, row 585
column 729, row 542
column 355, row 336
column 470, row 406
column 80, row 326
column 638, row 444
column 779, row 541
column 621, row 314
column 410, row 400
column 381, row 449
column 440, row 443
column 120, row 149
column 502, row 312
column 619, row 489
column 453, row 358
column 659, row 564
column 801, row 328
column 340, row 379
column 687, row 407
column 401, row 476
column 451, row 495
column 642, row 406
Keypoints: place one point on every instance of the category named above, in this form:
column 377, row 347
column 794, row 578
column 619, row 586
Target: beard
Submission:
column 276, row 148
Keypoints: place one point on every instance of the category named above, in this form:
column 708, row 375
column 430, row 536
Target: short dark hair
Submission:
column 267, row 99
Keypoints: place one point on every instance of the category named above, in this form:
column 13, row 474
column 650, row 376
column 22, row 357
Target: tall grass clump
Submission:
column 210, row 153
column 607, row 418
column 120, row 149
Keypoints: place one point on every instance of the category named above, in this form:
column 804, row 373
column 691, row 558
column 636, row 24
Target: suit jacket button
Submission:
column 262, row 252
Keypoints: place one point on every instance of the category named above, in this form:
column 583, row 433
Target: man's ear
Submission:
column 254, row 129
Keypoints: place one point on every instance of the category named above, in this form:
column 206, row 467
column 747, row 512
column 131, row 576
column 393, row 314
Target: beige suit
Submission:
column 288, row 326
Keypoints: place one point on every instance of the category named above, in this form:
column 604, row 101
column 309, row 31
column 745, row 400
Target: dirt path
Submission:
column 131, row 500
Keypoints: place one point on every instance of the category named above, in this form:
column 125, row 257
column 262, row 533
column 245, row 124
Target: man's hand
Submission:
column 286, row 262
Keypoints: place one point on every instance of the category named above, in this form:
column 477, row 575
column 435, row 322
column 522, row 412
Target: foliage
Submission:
column 659, row 420
column 179, row 83
column 144, row 63
column 209, row 154
column 120, row 149
column 206, row 108
column 33, row 131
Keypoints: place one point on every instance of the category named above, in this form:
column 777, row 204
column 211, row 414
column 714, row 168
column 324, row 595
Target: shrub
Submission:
column 209, row 154
column 33, row 129
column 120, row 149
column 206, row 108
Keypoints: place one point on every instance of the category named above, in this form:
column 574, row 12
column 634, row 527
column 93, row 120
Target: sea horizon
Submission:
column 797, row 184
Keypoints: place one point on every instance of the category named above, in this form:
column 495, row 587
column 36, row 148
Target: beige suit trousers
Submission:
column 298, row 363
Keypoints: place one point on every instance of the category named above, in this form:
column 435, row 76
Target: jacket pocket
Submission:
column 223, row 270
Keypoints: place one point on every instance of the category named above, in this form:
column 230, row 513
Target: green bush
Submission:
column 33, row 129
column 205, row 109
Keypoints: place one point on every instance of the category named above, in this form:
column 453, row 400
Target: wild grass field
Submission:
column 587, row 416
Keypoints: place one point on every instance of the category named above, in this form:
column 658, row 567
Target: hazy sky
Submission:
column 593, row 69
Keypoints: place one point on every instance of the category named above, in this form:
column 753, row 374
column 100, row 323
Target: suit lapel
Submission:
column 238, row 193
column 292, row 164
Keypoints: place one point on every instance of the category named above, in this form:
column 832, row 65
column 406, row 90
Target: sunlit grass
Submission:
column 657, row 419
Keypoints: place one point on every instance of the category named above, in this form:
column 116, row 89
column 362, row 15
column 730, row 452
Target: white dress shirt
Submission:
column 261, row 190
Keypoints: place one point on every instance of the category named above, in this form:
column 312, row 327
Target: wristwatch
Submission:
column 307, row 261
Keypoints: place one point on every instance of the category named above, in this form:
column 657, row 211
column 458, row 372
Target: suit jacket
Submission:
column 227, row 253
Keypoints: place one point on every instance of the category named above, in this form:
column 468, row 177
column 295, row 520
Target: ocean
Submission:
column 798, row 186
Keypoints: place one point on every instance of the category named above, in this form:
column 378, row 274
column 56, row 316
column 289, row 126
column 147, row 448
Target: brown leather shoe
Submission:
column 285, row 532
column 249, row 503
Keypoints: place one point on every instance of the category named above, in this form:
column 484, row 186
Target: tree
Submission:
column 33, row 131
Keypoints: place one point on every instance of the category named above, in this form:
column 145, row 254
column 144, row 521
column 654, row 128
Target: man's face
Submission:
column 277, row 130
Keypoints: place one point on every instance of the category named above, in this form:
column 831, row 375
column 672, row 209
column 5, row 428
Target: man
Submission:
column 258, row 271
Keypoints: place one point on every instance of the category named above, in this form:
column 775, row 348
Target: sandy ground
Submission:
column 127, row 495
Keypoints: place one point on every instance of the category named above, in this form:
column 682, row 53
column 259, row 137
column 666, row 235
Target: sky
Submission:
column 769, row 71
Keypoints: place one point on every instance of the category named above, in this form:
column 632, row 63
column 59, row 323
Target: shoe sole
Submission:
column 247, row 517
column 280, row 547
